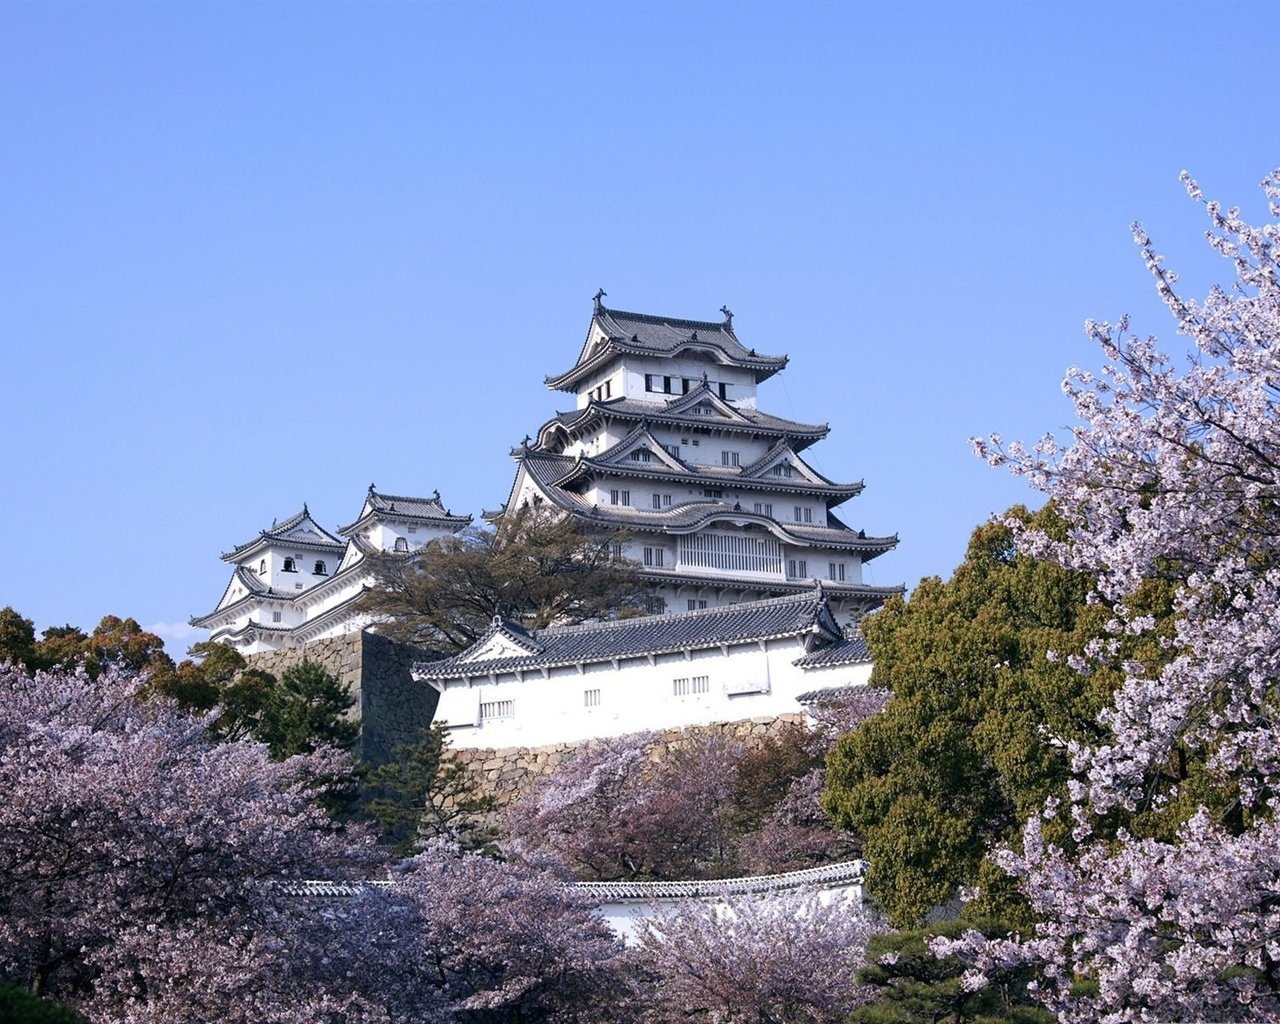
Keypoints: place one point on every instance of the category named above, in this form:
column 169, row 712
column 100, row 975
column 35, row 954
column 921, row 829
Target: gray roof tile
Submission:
column 651, row 634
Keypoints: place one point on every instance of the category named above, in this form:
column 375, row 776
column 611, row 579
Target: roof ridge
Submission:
column 674, row 321
column 808, row 595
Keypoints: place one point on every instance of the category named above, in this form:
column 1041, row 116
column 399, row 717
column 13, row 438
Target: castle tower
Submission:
column 667, row 441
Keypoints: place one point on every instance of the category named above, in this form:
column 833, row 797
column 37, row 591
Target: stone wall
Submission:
column 390, row 706
column 504, row 773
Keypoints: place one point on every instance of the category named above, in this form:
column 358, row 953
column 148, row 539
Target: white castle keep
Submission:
column 667, row 442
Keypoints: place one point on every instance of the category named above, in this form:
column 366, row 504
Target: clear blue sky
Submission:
column 256, row 255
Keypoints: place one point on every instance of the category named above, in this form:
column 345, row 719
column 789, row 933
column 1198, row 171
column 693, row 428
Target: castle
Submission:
column 755, row 584
column 296, row 582
column 667, row 441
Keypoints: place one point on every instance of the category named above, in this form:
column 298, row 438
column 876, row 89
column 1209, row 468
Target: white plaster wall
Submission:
column 636, row 695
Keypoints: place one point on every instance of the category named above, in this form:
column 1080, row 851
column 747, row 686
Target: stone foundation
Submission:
column 390, row 706
column 504, row 773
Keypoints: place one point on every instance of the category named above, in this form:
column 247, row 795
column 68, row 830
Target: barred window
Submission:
column 591, row 698
column 497, row 709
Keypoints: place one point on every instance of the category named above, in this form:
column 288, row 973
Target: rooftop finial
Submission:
column 304, row 509
column 597, row 297
column 371, row 488
column 526, row 440
column 728, row 316
column 436, row 494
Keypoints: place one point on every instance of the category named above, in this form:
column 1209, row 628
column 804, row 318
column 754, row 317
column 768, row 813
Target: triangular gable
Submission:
column 242, row 584
column 640, row 439
column 501, row 641
column 306, row 530
column 702, row 401
column 782, row 454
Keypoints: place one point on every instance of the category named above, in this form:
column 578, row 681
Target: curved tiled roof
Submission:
column 853, row 651
column 398, row 506
column 827, row 875
column 747, row 421
column 651, row 634
column 548, row 472
column 844, row 873
column 646, row 334
column 321, row 539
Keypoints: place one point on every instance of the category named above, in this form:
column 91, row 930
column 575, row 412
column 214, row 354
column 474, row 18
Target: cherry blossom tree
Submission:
column 1167, row 908
column 790, row 957
column 150, row 874
column 140, row 860
column 511, row 943
column 612, row 811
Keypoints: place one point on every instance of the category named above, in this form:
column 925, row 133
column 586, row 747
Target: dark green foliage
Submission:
column 17, row 638
column 307, row 708
column 424, row 793
column 912, row 986
column 537, row 568
column 17, row 1006
column 971, row 743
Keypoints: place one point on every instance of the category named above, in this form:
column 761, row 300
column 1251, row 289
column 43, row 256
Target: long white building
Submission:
column 296, row 582
column 667, row 442
column 530, row 688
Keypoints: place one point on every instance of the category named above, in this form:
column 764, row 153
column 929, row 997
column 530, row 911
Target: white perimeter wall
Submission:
column 747, row 682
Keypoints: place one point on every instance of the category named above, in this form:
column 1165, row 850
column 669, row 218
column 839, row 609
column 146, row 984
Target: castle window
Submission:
column 764, row 508
column 289, row 566
column 615, row 552
column 696, row 603
column 320, row 569
column 642, row 455
column 724, row 390
column 711, row 492
column 835, row 571
column 797, row 568
column 653, row 557
column 655, row 605
column 617, row 497
column 685, row 686
column 728, row 458
column 591, row 698
column 687, row 385
column 666, row 385
column 651, row 382
column 803, row 515
column 497, row 709
column 276, row 616
column 401, row 545
column 782, row 469
column 672, row 449
column 262, row 567
column 661, row 501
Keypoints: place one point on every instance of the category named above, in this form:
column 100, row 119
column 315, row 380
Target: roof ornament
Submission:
column 704, row 377
column 435, row 495
column 304, row 509
column 371, row 491
column 693, row 336
column 597, row 297
column 728, row 317
column 525, row 442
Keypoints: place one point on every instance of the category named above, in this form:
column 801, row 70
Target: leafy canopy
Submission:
column 537, row 568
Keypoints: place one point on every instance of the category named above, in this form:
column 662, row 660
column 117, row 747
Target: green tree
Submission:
column 912, row 986
column 17, row 1006
column 537, row 568
column 425, row 793
column 972, row 742
column 17, row 638
column 220, row 678
column 307, row 708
